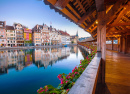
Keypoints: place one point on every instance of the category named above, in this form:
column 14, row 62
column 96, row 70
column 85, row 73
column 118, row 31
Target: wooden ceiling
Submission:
column 84, row 14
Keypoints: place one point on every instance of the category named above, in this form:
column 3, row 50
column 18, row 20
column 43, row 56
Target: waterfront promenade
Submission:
column 32, row 47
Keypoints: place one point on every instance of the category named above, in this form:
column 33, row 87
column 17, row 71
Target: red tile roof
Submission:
column 64, row 33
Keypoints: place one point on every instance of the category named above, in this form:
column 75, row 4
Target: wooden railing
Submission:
column 109, row 47
column 87, row 82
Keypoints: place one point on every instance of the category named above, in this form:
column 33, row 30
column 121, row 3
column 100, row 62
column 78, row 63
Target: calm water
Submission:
column 25, row 71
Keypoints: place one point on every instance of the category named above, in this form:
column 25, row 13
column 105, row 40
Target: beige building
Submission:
column 45, row 34
column 36, row 36
column 54, row 39
column 10, row 36
column 2, row 34
column 19, row 34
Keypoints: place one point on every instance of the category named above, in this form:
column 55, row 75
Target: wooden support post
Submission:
column 121, row 42
column 101, row 41
column 112, row 43
column 118, row 44
column 126, row 45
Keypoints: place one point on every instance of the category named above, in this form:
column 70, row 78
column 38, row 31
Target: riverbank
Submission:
column 32, row 47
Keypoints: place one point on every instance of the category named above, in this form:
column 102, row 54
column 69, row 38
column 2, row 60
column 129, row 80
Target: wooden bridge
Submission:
column 104, row 20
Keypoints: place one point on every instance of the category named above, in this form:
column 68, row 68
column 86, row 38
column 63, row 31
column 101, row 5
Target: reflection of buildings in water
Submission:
column 37, row 55
column 28, row 57
column 20, row 60
column 12, row 58
column 49, row 56
column 3, row 62
column 84, row 52
column 74, row 49
column 45, row 57
column 54, row 54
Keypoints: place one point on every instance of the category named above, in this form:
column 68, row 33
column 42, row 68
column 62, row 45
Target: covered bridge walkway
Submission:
column 117, row 76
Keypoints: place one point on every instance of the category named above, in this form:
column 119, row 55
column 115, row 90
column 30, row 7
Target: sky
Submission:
column 32, row 12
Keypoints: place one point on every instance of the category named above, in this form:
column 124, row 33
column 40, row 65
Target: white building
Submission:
column 54, row 39
column 65, row 37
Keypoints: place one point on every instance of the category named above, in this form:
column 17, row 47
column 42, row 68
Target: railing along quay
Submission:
column 89, row 79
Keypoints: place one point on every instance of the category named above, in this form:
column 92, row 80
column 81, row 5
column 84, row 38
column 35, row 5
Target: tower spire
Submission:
column 77, row 33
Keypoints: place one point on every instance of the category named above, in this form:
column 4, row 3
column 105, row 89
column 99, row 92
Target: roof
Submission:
column 84, row 14
column 90, row 39
column 64, row 33
column 9, row 27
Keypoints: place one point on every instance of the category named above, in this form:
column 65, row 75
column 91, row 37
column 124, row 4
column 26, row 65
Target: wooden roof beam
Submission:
column 112, row 12
column 127, row 17
column 81, row 6
column 61, row 4
column 87, row 14
column 119, row 31
column 119, row 24
column 89, row 24
column 122, row 13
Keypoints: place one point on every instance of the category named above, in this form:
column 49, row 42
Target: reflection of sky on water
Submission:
column 24, row 71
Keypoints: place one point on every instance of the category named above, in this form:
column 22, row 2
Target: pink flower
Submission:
column 76, row 72
column 59, row 76
column 66, row 81
column 61, row 82
column 73, row 70
column 41, row 91
column 67, row 90
column 80, row 62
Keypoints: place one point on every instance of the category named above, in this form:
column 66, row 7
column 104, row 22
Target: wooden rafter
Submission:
column 93, row 22
column 127, row 17
column 87, row 14
column 125, row 9
column 119, row 31
column 81, row 6
column 61, row 4
column 119, row 24
column 112, row 12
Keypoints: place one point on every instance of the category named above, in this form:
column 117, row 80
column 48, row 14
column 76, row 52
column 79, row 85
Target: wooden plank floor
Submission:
column 117, row 76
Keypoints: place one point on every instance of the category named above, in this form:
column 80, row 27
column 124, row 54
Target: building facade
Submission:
column 19, row 34
column 2, row 34
column 45, row 35
column 36, row 36
column 65, row 37
column 54, row 39
column 10, row 36
column 27, row 37
column 74, row 38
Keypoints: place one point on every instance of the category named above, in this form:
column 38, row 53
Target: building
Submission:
column 10, row 36
column 65, row 37
column 36, row 36
column 2, row 34
column 54, row 39
column 45, row 35
column 19, row 34
column 74, row 38
column 27, row 37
